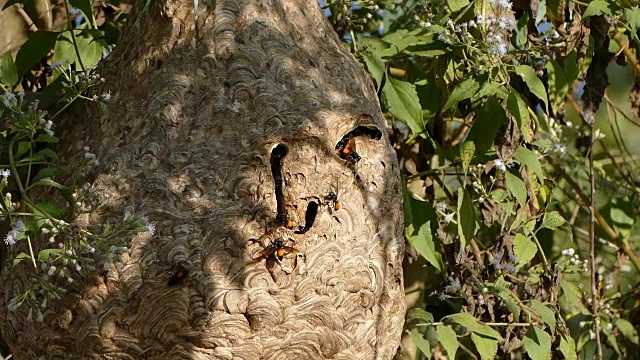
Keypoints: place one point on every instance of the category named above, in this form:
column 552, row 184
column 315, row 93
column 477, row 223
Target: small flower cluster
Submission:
column 80, row 82
column 11, row 102
column 454, row 287
column 14, row 233
column 459, row 34
column 73, row 253
column 357, row 15
column 91, row 157
column 497, row 263
column 574, row 260
column 441, row 209
column 29, row 121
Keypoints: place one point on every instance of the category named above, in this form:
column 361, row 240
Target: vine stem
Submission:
column 592, row 237
column 73, row 36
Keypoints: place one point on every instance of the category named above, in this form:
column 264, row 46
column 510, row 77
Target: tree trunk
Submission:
column 190, row 140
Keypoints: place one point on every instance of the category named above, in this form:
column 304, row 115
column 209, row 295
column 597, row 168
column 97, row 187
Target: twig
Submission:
column 627, row 52
column 469, row 352
column 73, row 36
column 27, row 19
column 592, row 236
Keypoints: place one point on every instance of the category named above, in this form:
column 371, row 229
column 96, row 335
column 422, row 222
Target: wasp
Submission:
column 178, row 277
column 347, row 149
column 332, row 198
column 275, row 252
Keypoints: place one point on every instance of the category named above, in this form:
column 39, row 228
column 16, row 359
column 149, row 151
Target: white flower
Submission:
column 5, row 173
column 449, row 218
column 151, row 229
column 500, row 165
column 505, row 4
column 10, row 238
column 9, row 99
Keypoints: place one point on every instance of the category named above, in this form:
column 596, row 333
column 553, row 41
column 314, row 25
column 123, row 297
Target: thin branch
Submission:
column 592, row 237
column 627, row 52
column 27, row 19
column 73, row 36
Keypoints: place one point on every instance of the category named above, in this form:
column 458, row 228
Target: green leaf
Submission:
column 420, row 342
column 44, row 255
column 402, row 39
column 421, row 315
column 552, row 220
column 430, row 98
column 402, row 101
column 597, row 7
column 467, row 225
column 571, row 66
column 51, row 210
column 612, row 341
column 20, row 258
column 524, row 248
column 421, row 225
column 486, row 346
column 488, row 89
column 90, row 51
column 46, row 138
column 529, row 159
column 46, row 173
column 455, row 5
column 568, row 348
column 557, row 79
column 537, row 343
column 447, row 337
column 571, row 296
column 46, row 153
column 516, row 186
column 627, row 330
column 467, row 150
column 462, row 91
column 50, row 183
column 376, row 67
column 520, row 113
column 533, row 82
column 490, row 118
column 34, row 49
column 633, row 19
column 511, row 303
column 8, row 71
column 424, row 244
column 501, row 287
column 472, row 324
column 547, row 315
column 23, row 147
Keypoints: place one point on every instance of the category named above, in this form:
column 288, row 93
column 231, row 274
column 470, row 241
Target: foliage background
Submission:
column 496, row 110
